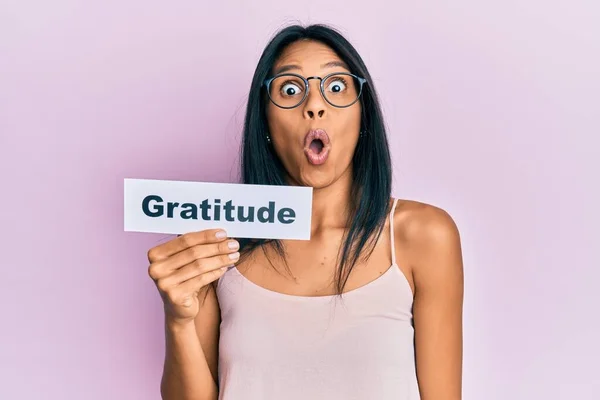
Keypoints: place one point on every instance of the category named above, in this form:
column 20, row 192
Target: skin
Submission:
column 427, row 244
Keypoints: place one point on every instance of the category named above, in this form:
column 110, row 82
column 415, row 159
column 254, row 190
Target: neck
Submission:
column 331, row 204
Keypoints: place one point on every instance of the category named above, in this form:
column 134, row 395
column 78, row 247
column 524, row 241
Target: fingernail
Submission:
column 234, row 256
column 233, row 245
column 221, row 234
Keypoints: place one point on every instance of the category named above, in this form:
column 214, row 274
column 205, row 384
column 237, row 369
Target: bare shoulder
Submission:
column 422, row 222
column 425, row 232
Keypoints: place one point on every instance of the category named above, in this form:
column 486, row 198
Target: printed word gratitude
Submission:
column 155, row 206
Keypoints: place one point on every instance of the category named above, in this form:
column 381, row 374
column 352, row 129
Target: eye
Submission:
column 336, row 85
column 290, row 89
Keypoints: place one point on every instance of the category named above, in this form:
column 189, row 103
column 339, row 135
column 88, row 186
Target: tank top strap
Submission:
column 392, row 242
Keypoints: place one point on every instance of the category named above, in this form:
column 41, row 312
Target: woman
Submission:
column 369, row 308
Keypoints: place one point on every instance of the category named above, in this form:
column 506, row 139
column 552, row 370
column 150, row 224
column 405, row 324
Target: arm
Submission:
column 191, row 359
column 437, row 268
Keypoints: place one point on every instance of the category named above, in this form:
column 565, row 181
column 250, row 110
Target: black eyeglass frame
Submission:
column 268, row 82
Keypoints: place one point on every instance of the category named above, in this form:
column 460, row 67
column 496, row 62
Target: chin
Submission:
column 319, row 184
column 316, row 178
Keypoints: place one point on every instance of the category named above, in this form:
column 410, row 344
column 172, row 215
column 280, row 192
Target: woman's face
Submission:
column 315, row 141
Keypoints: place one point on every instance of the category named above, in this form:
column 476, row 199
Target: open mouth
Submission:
column 317, row 146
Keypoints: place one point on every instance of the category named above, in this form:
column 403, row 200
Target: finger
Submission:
column 185, row 241
column 199, row 267
column 166, row 267
column 200, row 252
column 195, row 284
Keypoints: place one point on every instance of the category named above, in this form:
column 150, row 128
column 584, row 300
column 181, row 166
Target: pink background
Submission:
column 493, row 113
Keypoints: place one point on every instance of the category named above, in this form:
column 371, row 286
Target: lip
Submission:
column 314, row 158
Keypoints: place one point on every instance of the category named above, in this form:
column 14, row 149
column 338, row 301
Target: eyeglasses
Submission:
column 340, row 89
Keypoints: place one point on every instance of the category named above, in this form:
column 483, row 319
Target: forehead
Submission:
column 308, row 55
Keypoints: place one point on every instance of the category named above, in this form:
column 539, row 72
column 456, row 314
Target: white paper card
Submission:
column 243, row 211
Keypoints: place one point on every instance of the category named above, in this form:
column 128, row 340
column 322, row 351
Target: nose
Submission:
column 315, row 106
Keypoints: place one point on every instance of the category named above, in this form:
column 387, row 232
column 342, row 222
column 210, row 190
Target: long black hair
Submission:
column 372, row 174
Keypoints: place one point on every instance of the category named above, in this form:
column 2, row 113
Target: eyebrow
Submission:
column 330, row 64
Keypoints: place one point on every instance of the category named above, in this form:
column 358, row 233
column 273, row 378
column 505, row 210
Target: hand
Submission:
column 181, row 267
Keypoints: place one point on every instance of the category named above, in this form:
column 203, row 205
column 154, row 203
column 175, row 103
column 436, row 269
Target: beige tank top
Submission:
column 275, row 346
